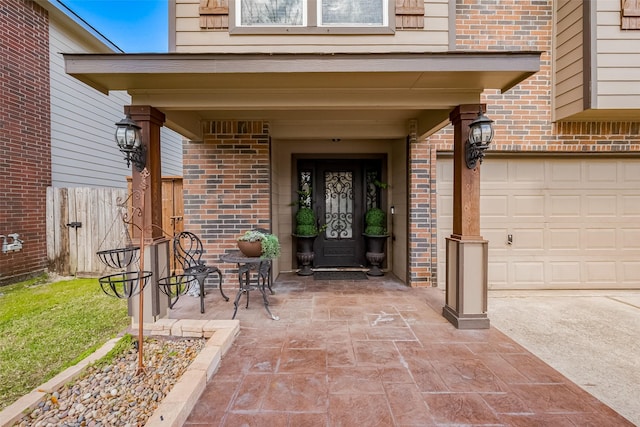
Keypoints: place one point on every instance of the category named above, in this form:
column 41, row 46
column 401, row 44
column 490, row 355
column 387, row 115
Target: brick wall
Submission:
column 226, row 185
column 422, row 207
column 523, row 114
column 25, row 150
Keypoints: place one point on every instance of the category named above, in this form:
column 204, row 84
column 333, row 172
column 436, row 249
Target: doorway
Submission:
column 341, row 190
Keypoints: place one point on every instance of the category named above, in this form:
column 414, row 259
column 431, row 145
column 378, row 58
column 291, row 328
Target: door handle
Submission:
column 509, row 239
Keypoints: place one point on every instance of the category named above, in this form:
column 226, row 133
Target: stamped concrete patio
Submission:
column 376, row 353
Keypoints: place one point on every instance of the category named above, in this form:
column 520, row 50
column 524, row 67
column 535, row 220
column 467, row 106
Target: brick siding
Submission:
column 422, row 213
column 227, row 185
column 25, row 143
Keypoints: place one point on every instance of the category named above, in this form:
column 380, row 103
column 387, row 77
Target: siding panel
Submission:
column 191, row 38
column 82, row 124
column 618, row 59
column 83, row 151
column 568, row 65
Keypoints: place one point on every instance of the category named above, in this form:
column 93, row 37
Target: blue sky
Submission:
column 133, row 25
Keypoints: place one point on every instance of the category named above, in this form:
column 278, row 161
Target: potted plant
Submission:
column 306, row 232
column 256, row 243
column 375, row 234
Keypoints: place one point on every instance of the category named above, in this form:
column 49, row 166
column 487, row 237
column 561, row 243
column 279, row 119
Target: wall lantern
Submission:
column 480, row 136
column 130, row 142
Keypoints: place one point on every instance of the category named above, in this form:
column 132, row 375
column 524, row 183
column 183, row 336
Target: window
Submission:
column 352, row 12
column 272, row 12
column 312, row 16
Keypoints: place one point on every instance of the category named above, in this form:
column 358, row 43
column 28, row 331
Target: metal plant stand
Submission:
column 128, row 283
column 176, row 286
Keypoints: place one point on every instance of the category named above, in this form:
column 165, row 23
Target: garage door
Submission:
column 553, row 223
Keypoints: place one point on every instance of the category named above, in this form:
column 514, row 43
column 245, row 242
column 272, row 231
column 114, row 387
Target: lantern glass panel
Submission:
column 121, row 136
column 487, row 133
column 476, row 134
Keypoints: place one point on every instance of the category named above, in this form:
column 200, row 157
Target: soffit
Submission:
column 301, row 88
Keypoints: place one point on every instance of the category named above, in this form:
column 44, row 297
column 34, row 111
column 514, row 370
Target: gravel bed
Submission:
column 113, row 395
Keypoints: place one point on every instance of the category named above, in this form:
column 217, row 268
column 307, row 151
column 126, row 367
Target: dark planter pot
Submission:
column 305, row 254
column 375, row 253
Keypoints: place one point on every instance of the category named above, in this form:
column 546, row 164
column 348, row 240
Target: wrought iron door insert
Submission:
column 340, row 194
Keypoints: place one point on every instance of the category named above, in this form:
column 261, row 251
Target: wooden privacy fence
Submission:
column 82, row 221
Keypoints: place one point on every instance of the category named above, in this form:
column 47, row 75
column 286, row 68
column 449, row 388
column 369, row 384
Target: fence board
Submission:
column 71, row 251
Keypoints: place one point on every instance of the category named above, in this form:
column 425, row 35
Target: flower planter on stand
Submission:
column 375, row 253
column 305, row 254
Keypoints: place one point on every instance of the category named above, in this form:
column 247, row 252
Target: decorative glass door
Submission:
column 338, row 204
column 339, row 195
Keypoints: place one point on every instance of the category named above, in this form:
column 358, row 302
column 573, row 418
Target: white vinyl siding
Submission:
column 575, row 221
column 190, row 38
column 83, row 150
column 617, row 53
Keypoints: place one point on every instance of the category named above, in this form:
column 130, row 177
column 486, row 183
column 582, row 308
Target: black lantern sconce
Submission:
column 130, row 142
column 480, row 136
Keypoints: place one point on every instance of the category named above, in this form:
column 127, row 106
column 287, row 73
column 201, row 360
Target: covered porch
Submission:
column 249, row 119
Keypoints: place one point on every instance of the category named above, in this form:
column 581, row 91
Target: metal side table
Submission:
column 247, row 266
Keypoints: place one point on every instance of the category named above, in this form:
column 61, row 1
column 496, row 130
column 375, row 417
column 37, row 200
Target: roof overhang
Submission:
column 299, row 89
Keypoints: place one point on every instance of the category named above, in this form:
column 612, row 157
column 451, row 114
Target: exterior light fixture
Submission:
column 130, row 142
column 480, row 136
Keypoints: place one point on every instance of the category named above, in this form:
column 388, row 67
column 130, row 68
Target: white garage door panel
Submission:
column 630, row 272
column 527, row 240
column 567, row 273
column 493, row 206
column 601, row 272
column 564, row 239
column 601, row 205
column 529, row 273
column 630, row 238
column 630, row 205
column 575, row 222
column 564, row 205
column 600, row 239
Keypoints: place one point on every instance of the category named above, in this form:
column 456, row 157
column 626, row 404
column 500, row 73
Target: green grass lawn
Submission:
column 47, row 327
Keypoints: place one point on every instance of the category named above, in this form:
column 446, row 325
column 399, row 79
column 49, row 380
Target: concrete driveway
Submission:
column 592, row 337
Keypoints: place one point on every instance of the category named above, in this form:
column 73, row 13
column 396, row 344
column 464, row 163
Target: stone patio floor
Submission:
column 376, row 353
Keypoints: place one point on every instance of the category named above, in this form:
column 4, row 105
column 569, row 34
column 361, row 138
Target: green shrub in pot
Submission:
column 376, row 222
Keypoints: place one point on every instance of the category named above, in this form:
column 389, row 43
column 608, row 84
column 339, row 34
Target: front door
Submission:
column 339, row 198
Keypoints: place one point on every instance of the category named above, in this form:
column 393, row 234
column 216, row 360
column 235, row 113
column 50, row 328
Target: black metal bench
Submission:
column 187, row 253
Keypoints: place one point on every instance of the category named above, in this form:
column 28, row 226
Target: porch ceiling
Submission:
column 316, row 92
